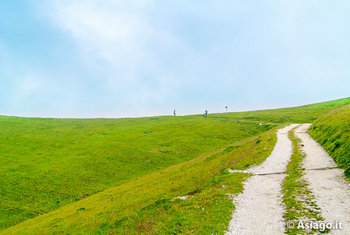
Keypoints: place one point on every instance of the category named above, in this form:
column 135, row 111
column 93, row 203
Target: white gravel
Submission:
column 331, row 190
column 259, row 208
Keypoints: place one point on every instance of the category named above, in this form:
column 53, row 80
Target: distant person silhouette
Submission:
column 206, row 113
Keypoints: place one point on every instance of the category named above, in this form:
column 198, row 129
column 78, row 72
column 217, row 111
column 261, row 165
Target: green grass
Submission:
column 301, row 114
column 149, row 204
column 47, row 163
column 54, row 165
column 332, row 131
column 297, row 197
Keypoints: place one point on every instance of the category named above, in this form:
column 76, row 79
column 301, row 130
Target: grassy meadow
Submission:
column 123, row 175
column 150, row 204
column 47, row 163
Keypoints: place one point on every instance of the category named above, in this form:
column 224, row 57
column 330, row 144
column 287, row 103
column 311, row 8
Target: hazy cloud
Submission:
column 145, row 57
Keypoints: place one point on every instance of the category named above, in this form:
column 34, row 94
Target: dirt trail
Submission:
column 331, row 190
column 258, row 208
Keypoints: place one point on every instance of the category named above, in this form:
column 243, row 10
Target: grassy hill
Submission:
column 133, row 168
column 47, row 163
column 301, row 114
column 332, row 131
column 150, row 204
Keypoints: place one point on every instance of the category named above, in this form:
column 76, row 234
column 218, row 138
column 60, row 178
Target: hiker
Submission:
column 174, row 112
column 206, row 113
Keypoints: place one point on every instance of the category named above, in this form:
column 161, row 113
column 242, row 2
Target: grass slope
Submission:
column 332, row 131
column 49, row 163
column 301, row 114
column 150, row 204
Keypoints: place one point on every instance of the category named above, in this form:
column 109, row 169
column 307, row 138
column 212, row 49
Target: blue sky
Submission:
column 92, row 58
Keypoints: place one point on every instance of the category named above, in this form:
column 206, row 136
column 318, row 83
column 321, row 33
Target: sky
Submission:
column 113, row 58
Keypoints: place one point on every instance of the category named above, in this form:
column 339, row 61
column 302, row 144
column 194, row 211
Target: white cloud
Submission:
column 121, row 37
column 112, row 31
column 151, row 54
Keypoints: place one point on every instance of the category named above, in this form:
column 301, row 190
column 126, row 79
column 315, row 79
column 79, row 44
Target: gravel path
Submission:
column 331, row 190
column 258, row 208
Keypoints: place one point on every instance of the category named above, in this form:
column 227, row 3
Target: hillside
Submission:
column 47, row 163
column 332, row 131
column 140, row 164
column 150, row 204
column 301, row 114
